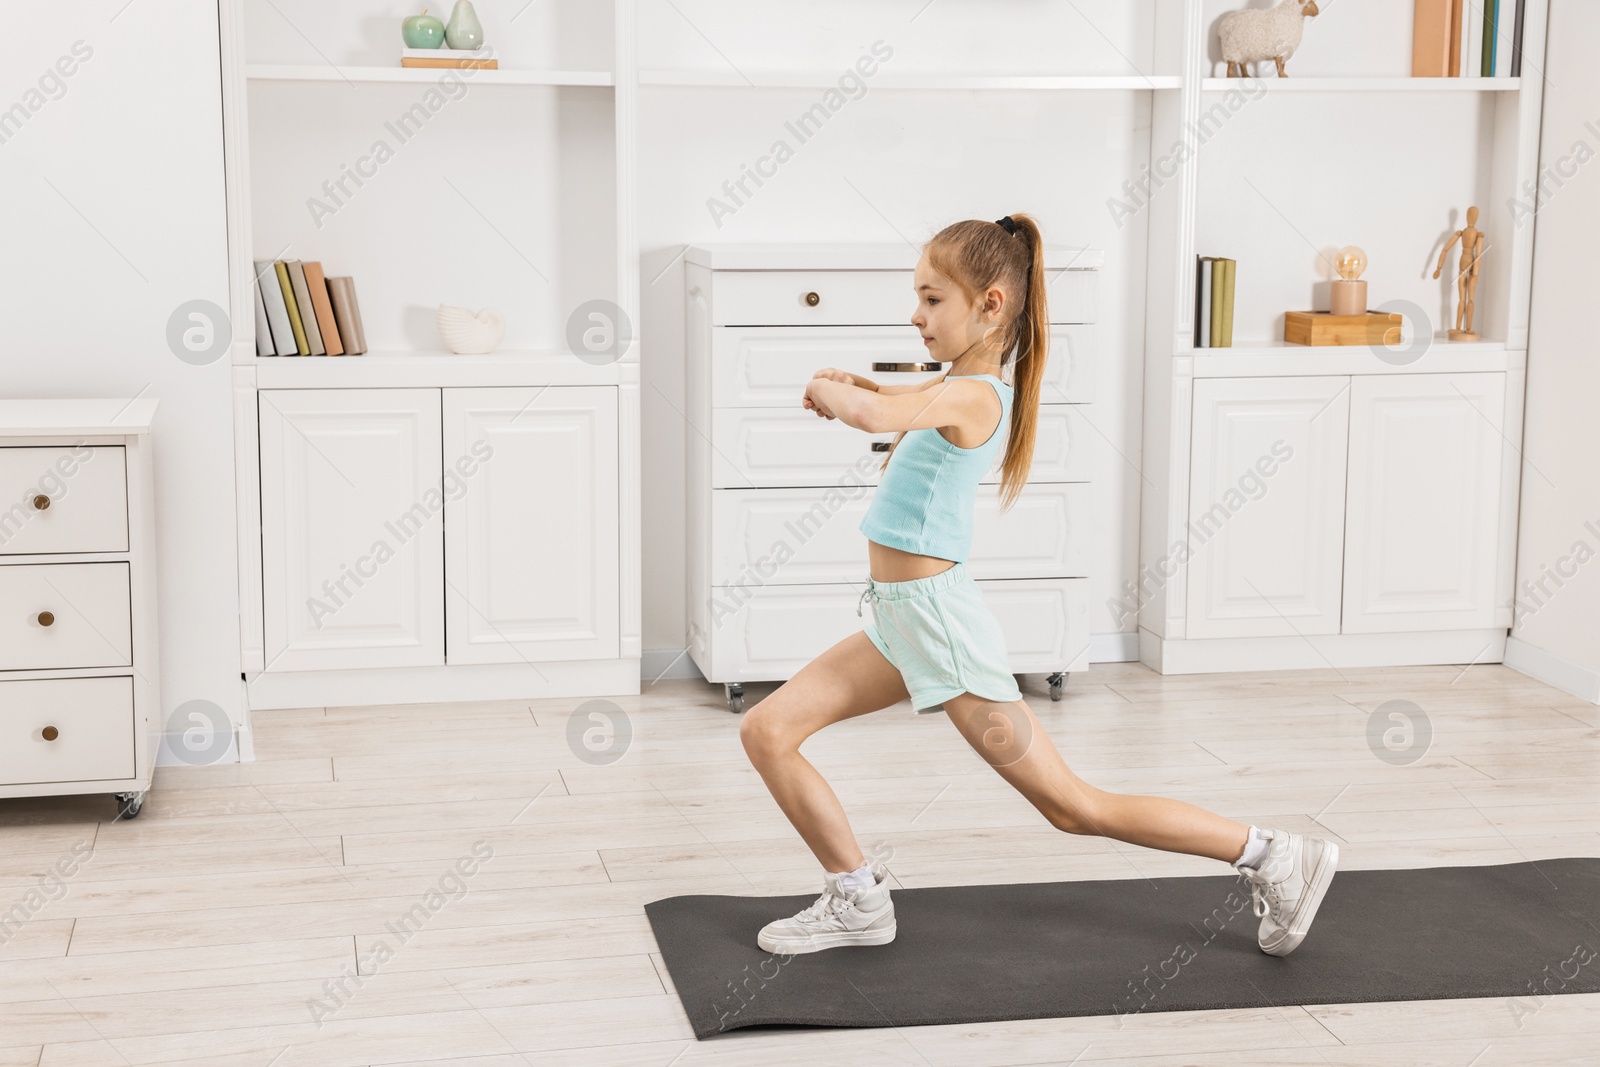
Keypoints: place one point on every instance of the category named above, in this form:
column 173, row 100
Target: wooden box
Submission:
column 1322, row 328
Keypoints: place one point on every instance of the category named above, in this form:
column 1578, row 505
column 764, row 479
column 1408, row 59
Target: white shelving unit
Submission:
column 1412, row 561
column 521, row 197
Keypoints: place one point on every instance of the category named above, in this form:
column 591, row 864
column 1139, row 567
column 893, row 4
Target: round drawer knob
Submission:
column 813, row 299
column 50, row 733
column 41, row 502
column 46, row 618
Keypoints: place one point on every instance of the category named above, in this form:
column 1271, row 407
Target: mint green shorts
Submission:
column 941, row 637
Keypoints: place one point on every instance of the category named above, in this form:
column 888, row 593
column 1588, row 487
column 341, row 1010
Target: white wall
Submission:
column 113, row 184
column 891, row 165
column 1557, row 635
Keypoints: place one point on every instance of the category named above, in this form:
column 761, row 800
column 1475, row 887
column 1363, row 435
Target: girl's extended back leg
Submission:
column 1011, row 740
column 849, row 679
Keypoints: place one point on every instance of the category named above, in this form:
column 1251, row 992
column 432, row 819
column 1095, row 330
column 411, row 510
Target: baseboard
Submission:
column 1551, row 669
column 656, row 664
column 1215, row 655
column 1114, row 648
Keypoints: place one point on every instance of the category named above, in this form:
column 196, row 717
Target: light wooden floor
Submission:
column 201, row 932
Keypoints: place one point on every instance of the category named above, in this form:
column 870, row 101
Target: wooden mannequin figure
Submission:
column 1472, row 249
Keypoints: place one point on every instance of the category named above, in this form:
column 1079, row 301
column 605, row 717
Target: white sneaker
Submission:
column 1288, row 886
column 865, row 917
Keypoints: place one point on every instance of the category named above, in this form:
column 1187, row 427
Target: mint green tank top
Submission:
column 925, row 498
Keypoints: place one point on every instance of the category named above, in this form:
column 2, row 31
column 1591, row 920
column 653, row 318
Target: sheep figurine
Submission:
column 1251, row 36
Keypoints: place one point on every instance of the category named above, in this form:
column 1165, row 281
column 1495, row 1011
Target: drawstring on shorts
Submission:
column 865, row 593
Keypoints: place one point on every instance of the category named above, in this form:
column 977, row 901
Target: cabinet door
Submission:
column 531, row 568
column 1422, row 521
column 352, row 528
column 1266, row 506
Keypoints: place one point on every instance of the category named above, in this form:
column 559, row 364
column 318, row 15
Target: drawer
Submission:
column 805, row 536
column 84, row 490
column 858, row 297
column 768, row 447
column 65, row 615
column 772, row 631
column 66, row 730
column 770, row 366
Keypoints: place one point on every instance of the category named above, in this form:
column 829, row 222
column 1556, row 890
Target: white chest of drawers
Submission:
column 776, row 563
column 78, row 659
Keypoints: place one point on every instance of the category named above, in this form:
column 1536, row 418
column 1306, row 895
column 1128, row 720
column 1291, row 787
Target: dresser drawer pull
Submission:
column 882, row 446
column 906, row 367
column 812, row 299
column 46, row 618
column 41, row 502
column 50, row 733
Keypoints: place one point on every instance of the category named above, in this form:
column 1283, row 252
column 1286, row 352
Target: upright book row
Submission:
column 1213, row 301
column 1467, row 39
column 301, row 313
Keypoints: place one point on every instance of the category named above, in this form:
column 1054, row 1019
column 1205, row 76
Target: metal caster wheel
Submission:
column 1058, row 682
column 735, row 695
column 129, row 805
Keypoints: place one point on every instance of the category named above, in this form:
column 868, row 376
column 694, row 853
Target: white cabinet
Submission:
column 464, row 540
column 1266, row 500
column 776, row 563
column 530, row 524
column 352, row 537
column 79, row 663
column 1344, row 504
column 1423, row 511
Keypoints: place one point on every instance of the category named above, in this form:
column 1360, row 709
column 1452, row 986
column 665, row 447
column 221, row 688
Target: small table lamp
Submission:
column 1348, row 295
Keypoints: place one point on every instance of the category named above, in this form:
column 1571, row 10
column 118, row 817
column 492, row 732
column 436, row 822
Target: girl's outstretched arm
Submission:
column 944, row 404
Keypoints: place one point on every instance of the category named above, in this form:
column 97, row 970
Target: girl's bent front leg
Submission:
column 852, row 678
column 1011, row 739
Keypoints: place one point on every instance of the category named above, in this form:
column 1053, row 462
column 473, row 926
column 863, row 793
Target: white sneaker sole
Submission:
column 1316, row 889
column 818, row 942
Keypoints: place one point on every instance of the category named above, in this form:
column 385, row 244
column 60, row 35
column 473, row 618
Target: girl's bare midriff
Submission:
column 887, row 564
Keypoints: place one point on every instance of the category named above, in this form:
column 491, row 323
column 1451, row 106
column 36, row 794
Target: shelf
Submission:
column 399, row 368
column 817, row 79
column 1362, row 85
column 1269, row 359
column 330, row 73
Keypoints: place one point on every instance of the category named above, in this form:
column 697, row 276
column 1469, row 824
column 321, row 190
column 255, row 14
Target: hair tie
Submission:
column 1010, row 227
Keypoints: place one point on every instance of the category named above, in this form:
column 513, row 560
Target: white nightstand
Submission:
column 78, row 657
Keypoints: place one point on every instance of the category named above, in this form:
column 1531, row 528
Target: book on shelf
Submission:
column 1213, row 316
column 263, row 328
column 322, row 309
column 308, row 316
column 449, row 58
column 301, row 348
column 1514, row 68
column 1431, row 37
column 342, row 295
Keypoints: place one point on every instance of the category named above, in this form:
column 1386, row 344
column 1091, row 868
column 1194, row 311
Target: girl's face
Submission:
column 950, row 325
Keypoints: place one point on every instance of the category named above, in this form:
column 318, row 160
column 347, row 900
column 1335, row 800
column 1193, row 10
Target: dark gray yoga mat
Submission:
column 962, row 954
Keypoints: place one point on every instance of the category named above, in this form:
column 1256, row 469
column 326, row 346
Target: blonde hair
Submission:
column 976, row 254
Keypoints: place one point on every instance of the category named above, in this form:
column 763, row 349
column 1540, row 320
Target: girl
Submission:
column 980, row 289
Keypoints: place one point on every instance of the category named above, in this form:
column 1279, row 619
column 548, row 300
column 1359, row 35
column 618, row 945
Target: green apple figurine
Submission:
column 422, row 31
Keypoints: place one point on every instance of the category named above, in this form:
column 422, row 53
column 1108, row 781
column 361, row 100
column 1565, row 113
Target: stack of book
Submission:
column 301, row 313
column 1467, row 39
column 450, row 58
column 1213, row 304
